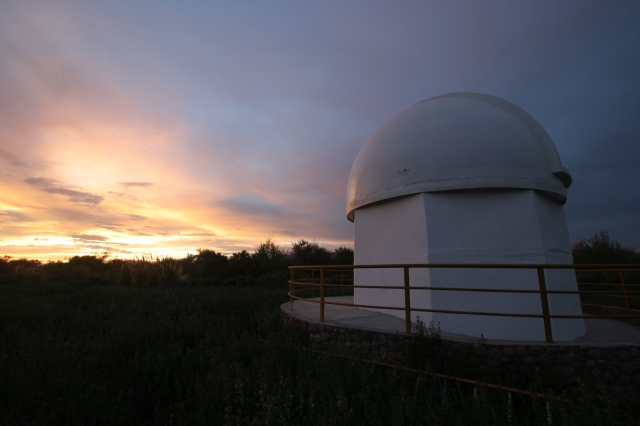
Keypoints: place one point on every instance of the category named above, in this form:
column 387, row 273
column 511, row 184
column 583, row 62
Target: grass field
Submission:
column 92, row 352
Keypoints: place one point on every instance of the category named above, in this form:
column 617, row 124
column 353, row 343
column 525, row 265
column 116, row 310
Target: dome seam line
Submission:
column 454, row 179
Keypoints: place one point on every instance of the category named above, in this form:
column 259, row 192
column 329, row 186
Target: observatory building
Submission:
column 464, row 178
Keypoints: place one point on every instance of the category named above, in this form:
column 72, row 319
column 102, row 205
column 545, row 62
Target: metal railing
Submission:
column 327, row 279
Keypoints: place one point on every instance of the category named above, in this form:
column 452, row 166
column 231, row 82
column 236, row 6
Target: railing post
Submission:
column 321, row 295
column 342, row 283
column 407, row 301
column 545, row 305
column 313, row 280
column 291, row 276
column 624, row 289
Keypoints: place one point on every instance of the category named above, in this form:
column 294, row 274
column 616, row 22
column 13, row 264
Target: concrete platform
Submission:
column 604, row 332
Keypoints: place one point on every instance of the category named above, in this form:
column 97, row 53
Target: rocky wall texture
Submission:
column 614, row 369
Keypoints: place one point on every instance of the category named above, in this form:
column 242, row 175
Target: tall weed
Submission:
column 149, row 272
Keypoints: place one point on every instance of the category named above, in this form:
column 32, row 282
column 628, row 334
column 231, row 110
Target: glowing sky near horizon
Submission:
column 163, row 127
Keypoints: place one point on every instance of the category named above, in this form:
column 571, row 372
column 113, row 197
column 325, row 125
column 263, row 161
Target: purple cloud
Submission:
column 136, row 184
column 250, row 205
column 52, row 186
column 87, row 237
column 8, row 157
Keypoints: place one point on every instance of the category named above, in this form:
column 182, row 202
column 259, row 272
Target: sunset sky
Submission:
column 162, row 127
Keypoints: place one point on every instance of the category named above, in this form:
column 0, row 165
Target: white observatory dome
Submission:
column 452, row 142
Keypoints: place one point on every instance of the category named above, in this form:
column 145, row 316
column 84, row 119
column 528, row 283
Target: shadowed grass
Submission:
column 105, row 354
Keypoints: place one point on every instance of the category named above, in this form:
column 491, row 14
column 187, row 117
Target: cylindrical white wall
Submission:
column 520, row 226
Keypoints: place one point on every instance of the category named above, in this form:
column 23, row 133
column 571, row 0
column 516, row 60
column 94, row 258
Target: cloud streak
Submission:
column 136, row 184
column 52, row 186
column 89, row 237
column 11, row 159
column 253, row 205
column 16, row 216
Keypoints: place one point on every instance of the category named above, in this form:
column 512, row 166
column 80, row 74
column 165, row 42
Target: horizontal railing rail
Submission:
column 325, row 281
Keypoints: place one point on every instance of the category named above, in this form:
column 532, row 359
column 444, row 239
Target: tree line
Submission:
column 268, row 259
column 205, row 266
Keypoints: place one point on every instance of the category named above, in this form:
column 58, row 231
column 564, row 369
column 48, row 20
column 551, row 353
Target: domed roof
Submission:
column 452, row 142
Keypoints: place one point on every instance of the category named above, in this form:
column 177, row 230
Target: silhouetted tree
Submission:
column 309, row 253
column 601, row 248
column 241, row 264
column 5, row 267
column 207, row 263
column 93, row 262
column 268, row 258
column 24, row 263
column 343, row 256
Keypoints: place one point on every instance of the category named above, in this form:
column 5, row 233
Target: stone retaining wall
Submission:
column 615, row 369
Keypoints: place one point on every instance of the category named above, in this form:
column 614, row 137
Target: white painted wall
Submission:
column 392, row 232
column 475, row 226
